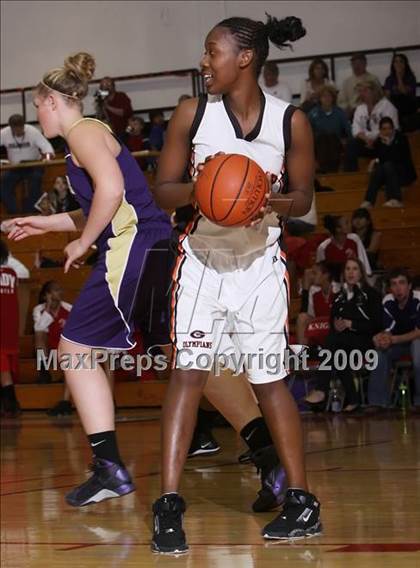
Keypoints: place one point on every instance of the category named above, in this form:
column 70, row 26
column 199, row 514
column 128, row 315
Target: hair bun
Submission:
column 82, row 64
column 280, row 32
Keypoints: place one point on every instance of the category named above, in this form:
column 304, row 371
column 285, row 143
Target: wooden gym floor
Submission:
column 365, row 470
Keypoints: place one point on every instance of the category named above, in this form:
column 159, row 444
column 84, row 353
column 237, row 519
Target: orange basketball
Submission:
column 231, row 190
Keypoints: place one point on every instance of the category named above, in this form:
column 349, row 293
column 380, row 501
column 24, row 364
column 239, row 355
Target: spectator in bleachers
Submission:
column 400, row 86
column 348, row 97
column 23, row 143
column 61, row 198
column 318, row 76
column 400, row 336
column 317, row 299
column 12, row 262
column 331, row 129
column 58, row 200
column 365, row 128
column 362, row 226
column 157, row 129
column 22, row 273
column 341, row 246
column 113, row 106
column 271, row 84
column 9, row 335
column 156, row 135
column 18, row 266
column 133, row 137
column 43, row 205
column 49, row 316
column 356, row 316
column 392, row 166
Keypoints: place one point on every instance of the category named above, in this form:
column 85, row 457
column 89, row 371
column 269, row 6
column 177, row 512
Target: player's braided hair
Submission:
column 250, row 34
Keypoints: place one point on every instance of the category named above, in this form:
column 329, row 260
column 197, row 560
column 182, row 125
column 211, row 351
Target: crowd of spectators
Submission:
column 351, row 315
column 349, row 121
column 342, row 310
column 355, row 316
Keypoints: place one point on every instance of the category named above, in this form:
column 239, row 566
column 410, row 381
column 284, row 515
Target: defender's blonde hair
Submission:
column 71, row 81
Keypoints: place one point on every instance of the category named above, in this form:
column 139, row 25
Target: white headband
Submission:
column 59, row 92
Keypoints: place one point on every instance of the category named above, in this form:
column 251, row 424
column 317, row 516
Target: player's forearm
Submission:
column 296, row 203
column 68, row 222
column 104, row 207
column 171, row 195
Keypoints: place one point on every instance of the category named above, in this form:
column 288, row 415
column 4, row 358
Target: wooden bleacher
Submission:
column 400, row 245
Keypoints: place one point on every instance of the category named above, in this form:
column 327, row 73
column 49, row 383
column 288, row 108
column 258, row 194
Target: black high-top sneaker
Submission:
column 298, row 519
column 168, row 534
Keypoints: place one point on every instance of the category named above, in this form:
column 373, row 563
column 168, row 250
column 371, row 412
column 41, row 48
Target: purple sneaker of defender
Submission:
column 273, row 480
column 108, row 480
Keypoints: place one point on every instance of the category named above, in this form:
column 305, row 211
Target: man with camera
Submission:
column 23, row 143
column 113, row 107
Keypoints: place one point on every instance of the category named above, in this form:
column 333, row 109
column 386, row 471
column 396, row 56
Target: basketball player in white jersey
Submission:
column 230, row 289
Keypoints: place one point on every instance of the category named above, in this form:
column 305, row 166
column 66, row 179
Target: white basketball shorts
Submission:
column 235, row 319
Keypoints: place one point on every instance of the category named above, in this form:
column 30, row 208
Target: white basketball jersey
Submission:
column 216, row 129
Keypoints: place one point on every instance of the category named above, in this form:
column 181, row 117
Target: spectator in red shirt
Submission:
column 317, row 299
column 49, row 316
column 341, row 246
column 113, row 106
column 134, row 139
column 9, row 334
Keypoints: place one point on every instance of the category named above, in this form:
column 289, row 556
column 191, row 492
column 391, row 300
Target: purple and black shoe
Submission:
column 108, row 480
column 273, row 480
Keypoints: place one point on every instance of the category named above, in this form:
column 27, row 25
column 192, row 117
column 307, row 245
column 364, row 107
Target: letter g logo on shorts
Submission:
column 197, row 334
